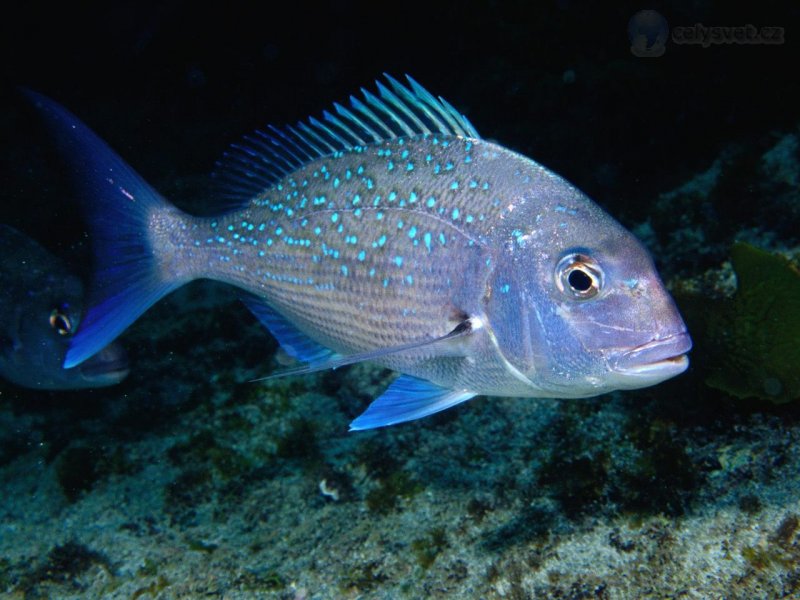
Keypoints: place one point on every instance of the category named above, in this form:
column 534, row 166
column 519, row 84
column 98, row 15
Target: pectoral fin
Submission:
column 408, row 398
column 334, row 361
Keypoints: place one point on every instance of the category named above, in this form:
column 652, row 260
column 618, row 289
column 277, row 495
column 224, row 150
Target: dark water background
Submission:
column 499, row 490
column 170, row 84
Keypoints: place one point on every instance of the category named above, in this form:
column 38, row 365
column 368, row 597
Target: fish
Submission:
column 390, row 231
column 40, row 310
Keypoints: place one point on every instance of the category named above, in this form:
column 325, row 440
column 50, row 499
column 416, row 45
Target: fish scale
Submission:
column 388, row 236
column 389, row 231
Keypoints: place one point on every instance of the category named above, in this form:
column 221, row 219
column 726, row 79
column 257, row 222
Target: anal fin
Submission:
column 296, row 343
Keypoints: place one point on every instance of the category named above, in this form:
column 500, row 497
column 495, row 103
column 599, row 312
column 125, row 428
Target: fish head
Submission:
column 577, row 307
column 41, row 325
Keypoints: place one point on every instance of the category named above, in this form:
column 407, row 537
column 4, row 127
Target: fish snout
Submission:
column 658, row 359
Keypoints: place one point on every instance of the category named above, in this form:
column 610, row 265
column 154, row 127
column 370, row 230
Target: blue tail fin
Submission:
column 118, row 204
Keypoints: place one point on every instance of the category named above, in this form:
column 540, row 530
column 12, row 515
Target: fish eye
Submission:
column 579, row 276
column 60, row 321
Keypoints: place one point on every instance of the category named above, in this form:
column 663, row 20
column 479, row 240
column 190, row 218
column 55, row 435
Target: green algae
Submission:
column 385, row 498
column 79, row 468
column 428, row 548
column 202, row 449
column 780, row 551
column 65, row 564
column 747, row 344
column 761, row 329
column 152, row 590
column 363, row 577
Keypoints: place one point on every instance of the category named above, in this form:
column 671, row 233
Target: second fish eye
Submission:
column 60, row 321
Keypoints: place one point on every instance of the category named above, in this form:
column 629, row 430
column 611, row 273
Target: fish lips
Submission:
column 107, row 367
column 655, row 360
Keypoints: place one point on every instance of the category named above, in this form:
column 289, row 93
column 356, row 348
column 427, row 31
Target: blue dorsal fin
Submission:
column 296, row 343
column 256, row 163
column 408, row 398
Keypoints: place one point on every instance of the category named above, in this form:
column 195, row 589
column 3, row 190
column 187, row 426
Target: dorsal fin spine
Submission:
column 347, row 114
column 398, row 110
column 336, row 121
column 387, row 94
column 286, row 146
column 364, row 109
column 307, row 130
column 379, row 104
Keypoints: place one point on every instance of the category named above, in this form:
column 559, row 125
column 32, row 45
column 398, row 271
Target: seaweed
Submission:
column 428, row 548
column 80, row 468
column 64, row 565
column 384, row 498
column 748, row 343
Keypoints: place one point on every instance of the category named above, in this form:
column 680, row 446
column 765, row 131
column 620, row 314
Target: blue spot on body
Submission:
column 398, row 260
column 335, row 217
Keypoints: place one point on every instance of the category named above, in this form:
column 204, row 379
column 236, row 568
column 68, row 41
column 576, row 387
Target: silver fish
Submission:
column 40, row 309
column 390, row 231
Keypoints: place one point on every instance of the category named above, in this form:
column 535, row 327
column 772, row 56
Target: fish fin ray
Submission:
column 252, row 166
column 118, row 204
column 407, row 399
column 296, row 343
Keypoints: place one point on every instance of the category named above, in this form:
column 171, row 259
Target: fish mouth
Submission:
column 107, row 367
column 657, row 359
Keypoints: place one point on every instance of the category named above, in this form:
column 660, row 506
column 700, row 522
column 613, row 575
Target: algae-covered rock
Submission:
column 753, row 339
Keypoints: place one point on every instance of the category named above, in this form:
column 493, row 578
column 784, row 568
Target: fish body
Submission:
column 391, row 232
column 40, row 309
